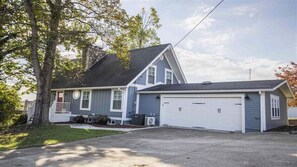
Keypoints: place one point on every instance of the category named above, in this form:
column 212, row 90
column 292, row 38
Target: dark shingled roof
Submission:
column 109, row 71
column 238, row 85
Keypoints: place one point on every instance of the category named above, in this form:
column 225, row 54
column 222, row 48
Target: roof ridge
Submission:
column 150, row 46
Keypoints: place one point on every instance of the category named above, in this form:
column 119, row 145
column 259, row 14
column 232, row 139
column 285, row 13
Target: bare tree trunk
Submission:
column 44, row 75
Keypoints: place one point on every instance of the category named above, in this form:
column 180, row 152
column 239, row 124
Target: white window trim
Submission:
column 165, row 79
column 111, row 101
column 277, row 98
column 90, row 100
column 147, row 75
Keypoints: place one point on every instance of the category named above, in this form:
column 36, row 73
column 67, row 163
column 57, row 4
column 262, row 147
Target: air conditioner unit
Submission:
column 150, row 121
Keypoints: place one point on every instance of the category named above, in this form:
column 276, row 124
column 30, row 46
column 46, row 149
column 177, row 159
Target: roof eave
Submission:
column 205, row 91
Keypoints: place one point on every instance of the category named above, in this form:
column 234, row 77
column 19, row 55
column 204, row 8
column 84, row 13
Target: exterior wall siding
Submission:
column 141, row 80
column 131, row 105
column 100, row 104
column 270, row 124
column 161, row 65
column 149, row 105
column 252, row 112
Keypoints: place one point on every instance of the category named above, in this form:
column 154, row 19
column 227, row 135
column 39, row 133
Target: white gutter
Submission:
column 88, row 88
column 204, row 91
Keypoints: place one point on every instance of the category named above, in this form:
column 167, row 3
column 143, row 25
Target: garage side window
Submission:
column 151, row 76
column 275, row 107
column 116, row 102
column 85, row 101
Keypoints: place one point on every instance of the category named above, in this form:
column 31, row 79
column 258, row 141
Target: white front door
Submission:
column 220, row 113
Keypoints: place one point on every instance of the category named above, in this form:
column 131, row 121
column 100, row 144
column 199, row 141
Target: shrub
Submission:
column 22, row 119
column 12, row 118
column 79, row 119
column 102, row 120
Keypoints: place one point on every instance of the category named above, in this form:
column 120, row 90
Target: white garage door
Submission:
column 220, row 113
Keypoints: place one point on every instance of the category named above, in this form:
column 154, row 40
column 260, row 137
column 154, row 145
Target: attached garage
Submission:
column 229, row 106
column 220, row 112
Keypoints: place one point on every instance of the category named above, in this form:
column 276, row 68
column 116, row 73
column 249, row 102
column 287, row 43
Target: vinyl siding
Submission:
column 270, row 124
column 131, row 106
column 100, row 104
column 150, row 106
column 252, row 112
column 161, row 65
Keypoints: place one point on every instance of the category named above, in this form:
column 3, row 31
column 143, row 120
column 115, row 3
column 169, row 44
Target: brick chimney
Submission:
column 91, row 54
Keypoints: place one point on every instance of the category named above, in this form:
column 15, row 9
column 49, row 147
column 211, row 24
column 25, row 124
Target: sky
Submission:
column 239, row 35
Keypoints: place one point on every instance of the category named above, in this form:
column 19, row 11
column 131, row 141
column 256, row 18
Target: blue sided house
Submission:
column 155, row 85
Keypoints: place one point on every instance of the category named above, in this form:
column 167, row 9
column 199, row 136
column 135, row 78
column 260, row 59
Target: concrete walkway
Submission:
column 164, row 147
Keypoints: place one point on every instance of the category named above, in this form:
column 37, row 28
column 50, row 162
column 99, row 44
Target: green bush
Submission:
column 12, row 118
column 102, row 119
column 80, row 119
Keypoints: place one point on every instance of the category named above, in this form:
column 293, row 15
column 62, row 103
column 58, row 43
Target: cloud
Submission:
column 200, row 67
column 245, row 11
column 201, row 11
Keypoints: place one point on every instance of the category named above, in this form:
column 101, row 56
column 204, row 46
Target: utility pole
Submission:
column 250, row 74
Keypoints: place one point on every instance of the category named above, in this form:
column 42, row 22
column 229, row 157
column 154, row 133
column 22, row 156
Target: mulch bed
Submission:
column 290, row 128
column 104, row 126
column 118, row 126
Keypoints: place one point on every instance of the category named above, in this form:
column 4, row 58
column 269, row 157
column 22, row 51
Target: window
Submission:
column 168, row 76
column 85, row 101
column 116, row 101
column 151, row 77
column 275, row 107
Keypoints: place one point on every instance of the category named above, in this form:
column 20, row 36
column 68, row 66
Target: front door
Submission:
column 60, row 98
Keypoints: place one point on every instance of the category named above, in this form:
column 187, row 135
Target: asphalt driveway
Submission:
column 164, row 147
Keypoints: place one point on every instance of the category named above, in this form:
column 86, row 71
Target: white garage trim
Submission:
column 262, row 111
column 242, row 96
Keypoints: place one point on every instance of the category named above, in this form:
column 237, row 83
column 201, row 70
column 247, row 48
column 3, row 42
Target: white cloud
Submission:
column 191, row 21
column 200, row 67
column 245, row 11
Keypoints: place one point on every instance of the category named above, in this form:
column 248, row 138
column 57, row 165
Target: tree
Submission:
column 143, row 29
column 39, row 27
column 289, row 73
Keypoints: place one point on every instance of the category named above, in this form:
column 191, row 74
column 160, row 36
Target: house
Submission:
column 292, row 113
column 155, row 85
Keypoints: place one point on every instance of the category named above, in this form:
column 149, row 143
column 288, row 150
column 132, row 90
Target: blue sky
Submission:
column 238, row 35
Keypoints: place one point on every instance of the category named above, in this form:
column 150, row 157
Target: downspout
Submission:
column 262, row 111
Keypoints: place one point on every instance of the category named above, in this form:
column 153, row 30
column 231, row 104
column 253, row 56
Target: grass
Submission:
column 47, row 135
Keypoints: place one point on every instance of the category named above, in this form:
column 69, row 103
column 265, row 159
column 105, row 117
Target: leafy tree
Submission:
column 32, row 31
column 289, row 73
column 9, row 98
column 143, row 29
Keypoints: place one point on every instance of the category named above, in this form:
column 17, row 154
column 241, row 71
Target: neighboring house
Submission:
column 292, row 112
column 155, row 85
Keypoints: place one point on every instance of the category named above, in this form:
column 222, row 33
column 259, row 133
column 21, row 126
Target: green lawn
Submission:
column 47, row 135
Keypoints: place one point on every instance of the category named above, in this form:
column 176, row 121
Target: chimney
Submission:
column 91, row 54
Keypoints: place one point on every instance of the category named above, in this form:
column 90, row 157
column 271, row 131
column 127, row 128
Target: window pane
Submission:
column 168, row 81
column 117, row 104
column 168, row 75
column 151, row 79
column 85, row 104
column 151, row 71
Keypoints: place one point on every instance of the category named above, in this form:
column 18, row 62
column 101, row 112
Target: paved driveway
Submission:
column 164, row 147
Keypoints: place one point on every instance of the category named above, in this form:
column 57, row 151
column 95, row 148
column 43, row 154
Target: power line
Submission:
column 198, row 23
